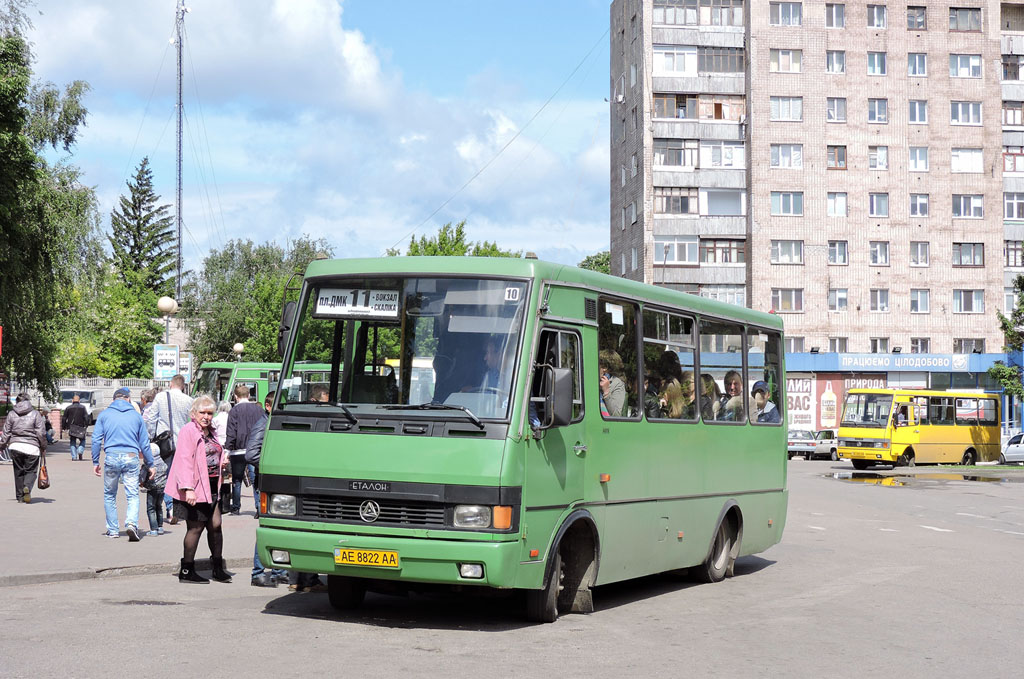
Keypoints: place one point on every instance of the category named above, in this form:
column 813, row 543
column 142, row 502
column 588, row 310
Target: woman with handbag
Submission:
column 24, row 435
column 194, row 483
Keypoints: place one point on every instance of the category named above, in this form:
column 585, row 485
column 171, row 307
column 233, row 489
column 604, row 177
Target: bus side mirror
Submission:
column 287, row 319
column 557, row 393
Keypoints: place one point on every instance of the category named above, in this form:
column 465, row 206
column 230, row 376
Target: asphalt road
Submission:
column 915, row 580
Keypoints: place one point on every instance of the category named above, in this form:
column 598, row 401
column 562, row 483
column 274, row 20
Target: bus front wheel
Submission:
column 542, row 604
column 345, row 593
column 860, row 464
column 906, row 459
column 970, row 457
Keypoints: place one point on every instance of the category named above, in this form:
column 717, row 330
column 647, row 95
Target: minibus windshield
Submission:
column 391, row 342
column 867, row 410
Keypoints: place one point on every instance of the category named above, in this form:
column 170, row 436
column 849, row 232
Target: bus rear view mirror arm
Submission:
column 287, row 320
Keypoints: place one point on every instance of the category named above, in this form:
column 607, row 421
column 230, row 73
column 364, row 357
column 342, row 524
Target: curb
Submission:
column 112, row 572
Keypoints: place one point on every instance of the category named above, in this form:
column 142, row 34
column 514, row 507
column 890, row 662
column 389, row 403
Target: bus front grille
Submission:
column 345, row 510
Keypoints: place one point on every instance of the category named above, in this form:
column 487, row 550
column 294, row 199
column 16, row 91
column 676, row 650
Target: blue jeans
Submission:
column 77, row 448
column 123, row 467
column 257, row 565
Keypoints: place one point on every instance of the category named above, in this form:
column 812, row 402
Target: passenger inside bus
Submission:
column 319, row 393
column 731, row 403
column 900, row 418
column 613, row 389
column 764, row 410
column 712, row 399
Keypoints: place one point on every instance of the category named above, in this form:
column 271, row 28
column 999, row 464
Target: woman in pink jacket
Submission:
column 194, row 481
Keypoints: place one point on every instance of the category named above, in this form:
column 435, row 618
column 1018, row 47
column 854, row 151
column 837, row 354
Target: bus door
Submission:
column 556, row 459
column 937, row 437
column 904, row 429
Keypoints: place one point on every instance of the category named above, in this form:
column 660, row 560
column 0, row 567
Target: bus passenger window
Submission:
column 721, row 360
column 558, row 348
column 669, row 381
column 764, row 366
column 617, row 359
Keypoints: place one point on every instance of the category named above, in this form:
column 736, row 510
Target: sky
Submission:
column 362, row 122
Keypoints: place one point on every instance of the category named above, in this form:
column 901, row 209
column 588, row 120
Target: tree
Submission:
column 451, row 241
column 143, row 237
column 1013, row 333
column 600, row 262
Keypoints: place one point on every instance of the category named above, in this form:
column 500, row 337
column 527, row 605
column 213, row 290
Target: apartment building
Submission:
column 857, row 167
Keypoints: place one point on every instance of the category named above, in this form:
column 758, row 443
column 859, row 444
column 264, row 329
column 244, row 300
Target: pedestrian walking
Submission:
column 154, row 486
column 24, row 436
column 170, row 412
column 122, row 435
column 220, row 428
column 194, row 482
column 260, row 578
column 241, row 420
column 75, row 421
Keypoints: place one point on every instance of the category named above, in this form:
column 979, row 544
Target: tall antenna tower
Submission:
column 179, row 22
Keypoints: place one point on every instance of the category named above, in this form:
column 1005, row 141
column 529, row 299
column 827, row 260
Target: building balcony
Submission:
column 703, row 36
column 721, row 130
column 1013, row 90
column 717, row 83
column 721, row 274
column 709, row 178
column 700, row 225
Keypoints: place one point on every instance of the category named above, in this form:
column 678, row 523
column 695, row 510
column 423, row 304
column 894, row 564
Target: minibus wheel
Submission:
column 970, row 457
column 906, row 459
column 717, row 564
column 860, row 464
column 345, row 593
column 542, row 604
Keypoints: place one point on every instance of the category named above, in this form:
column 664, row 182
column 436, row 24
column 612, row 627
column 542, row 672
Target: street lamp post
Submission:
column 167, row 306
column 237, row 349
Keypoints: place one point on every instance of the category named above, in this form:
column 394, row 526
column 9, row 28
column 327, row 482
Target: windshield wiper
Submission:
column 344, row 408
column 434, row 405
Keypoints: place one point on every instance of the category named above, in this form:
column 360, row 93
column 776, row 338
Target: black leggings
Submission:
column 214, row 534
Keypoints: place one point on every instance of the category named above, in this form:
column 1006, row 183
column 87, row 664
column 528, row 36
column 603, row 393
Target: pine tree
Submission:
column 143, row 237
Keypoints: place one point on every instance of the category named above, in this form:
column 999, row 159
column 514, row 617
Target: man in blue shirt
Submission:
column 121, row 432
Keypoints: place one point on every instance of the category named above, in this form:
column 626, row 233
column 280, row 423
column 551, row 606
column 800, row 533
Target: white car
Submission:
column 826, row 440
column 1014, row 450
column 87, row 397
column 800, row 443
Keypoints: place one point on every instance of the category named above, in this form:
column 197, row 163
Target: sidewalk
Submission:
column 59, row 536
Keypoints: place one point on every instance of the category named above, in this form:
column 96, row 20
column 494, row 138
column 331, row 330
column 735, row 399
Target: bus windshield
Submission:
column 213, row 382
column 401, row 343
column 867, row 410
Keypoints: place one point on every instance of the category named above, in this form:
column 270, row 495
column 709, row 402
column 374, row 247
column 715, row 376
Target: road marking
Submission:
column 816, row 527
column 888, row 530
column 1008, row 532
column 973, row 516
column 940, row 530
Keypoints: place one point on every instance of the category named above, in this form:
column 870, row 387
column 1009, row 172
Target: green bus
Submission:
column 219, row 378
column 563, row 446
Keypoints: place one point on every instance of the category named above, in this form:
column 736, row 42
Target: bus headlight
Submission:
column 472, row 516
column 283, row 505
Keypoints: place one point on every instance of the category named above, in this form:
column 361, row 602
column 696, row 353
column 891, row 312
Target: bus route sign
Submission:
column 339, row 302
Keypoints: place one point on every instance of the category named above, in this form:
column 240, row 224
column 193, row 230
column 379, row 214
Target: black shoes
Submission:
column 219, row 574
column 188, row 573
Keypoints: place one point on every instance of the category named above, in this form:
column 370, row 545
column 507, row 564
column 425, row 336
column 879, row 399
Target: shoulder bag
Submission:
column 165, row 439
column 43, row 480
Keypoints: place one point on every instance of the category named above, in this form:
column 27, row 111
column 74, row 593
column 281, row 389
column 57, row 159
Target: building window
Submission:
column 876, row 16
column 964, row 19
column 787, row 203
column 878, row 253
column 836, row 157
column 787, row 156
column 878, row 204
column 835, row 109
column 722, row 251
column 965, row 113
column 878, row 157
column 675, row 200
column 1013, row 159
column 787, row 300
column 835, row 15
column 730, row 294
column 785, row 13
column 835, row 61
column 878, row 345
column 968, row 302
column 676, row 153
column 964, row 65
column 720, row 60
column 877, row 63
column 1013, row 113
column 676, row 250
column 966, row 160
column 633, row 166
column 920, row 345
column 879, row 300
column 878, row 110
column 919, row 253
column 919, row 302
column 1013, row 205
column 723, row 154
column 682, row 106
column 917, row 64
column 787, row 252
column 837, row 254
column 724, row 202
column 968, row 206
column 919, row 205
column 623, row 177
column 785, row 61
column 836, row 204
column 1009, row 301
column 675, row 60
column 917, row 18
column 632, row 212
column 968, row 254
column 1011, row 66
column 632, row 255
column 837, row 299
column 918, row 111
column 837, row 345
column 622, row 263
column 1013, row 251
column 967, row 345
column 786, row 108
column 918, row 159
column 794, row 345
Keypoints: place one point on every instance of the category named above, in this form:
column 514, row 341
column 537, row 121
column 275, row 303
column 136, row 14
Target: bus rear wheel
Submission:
column 860, row 464
column 722, row 554
column 970, row 458
column 345, row 593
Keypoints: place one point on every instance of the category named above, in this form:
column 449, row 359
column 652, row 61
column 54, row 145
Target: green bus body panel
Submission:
column 669, row 482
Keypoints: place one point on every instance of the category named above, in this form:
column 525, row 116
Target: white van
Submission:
column 87, row 397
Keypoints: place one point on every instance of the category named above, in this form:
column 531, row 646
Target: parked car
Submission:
column 1014, row 450
column 87, row 397
column 825, row 446
column 800, row 443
